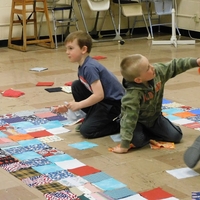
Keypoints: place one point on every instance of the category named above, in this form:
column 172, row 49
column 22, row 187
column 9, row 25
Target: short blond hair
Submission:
column 130, row 67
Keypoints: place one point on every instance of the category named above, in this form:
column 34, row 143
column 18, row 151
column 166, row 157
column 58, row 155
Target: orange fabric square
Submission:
column 84, row 170
column 41, row 133
column 155, row 194
column 184, row 114
column 20, row 137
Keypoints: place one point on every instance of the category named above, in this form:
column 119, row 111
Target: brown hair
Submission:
column 83, row 39
column 130, row 67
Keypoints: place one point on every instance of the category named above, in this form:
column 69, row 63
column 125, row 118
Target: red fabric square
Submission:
column 84, row 170
column 155, row 194
column 44, row 83
column 68, row 83
column 99, row 57
column 12, row 93
column 41, row 133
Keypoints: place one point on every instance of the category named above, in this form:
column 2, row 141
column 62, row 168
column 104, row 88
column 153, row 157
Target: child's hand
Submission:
column 118, row 149
column 61, row 109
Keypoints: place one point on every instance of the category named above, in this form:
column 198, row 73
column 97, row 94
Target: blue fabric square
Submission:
column 58, row 175
column 195, row 111
column 83, row 145
column 165, row 101
column 109, row 184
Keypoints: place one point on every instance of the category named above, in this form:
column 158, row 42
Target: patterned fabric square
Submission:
column 15, row 150
column 37, row 147
column 50, row 152
column 48, row 139
column 25, row 173
column 59, row 175
column 52, row 187
column 74, row 181
column 3, row 153
column 61, row 195
column 36, row 162
column 84, row 170
column 37, row 180
column 7, row 160
column 14, row 166
column 35, row 120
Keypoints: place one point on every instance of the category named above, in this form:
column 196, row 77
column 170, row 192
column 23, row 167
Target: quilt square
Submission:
column 120, row 193
column 59, row 158
column 70, row 164
column 157, row 193
column 27, row 155
column 58, row 175
column 109, row 184
column 184, row 114
column 83, row 145
column 84, row 170
column 47, row 168
column 41, row 133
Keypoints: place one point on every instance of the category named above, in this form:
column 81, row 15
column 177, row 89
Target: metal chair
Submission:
column 98, row 6
column 63, row 16
column 161, row 8
column 131, row 8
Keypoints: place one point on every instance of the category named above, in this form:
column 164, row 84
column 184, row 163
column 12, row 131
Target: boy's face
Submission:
column 73, row 51
column 147, row 71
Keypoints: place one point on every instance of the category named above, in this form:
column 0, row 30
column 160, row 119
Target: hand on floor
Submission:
column 118, row 149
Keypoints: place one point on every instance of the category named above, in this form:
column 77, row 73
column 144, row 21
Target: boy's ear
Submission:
column 84, row 49
column 138, row 80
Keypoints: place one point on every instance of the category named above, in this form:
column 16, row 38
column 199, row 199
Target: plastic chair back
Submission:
column 99, row 5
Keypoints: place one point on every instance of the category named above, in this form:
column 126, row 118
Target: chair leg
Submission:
column 54, row 28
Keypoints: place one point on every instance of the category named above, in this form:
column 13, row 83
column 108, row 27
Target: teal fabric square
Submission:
column 120, row 193
column 29, row 142
column 2, row 135
column 109, row 184
column 59, row 158
column 83, row 145
column 99, row 176
column 27, row 155
column 47, row 168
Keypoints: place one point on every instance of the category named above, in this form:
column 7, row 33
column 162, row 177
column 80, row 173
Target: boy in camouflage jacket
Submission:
column 141, row 115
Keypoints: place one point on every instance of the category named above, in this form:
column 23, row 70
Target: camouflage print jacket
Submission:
column 143, row 104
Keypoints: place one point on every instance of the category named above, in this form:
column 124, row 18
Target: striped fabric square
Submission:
column 37, row 180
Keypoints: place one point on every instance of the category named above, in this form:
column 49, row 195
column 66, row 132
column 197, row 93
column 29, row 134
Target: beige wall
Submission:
column 186, row 9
